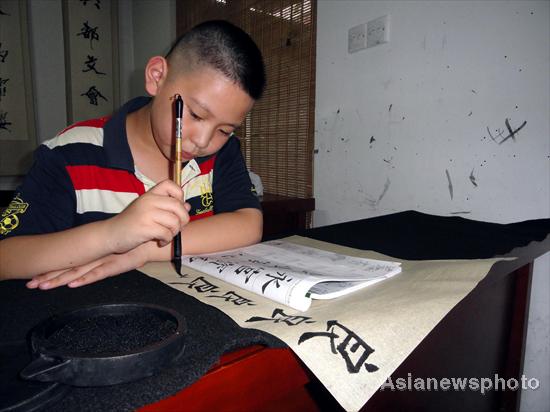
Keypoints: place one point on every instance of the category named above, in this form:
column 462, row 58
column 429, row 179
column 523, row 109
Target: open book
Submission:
column 292, row 274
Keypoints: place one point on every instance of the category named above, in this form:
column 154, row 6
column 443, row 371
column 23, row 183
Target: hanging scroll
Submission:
column 17, row 132
column 91, row 57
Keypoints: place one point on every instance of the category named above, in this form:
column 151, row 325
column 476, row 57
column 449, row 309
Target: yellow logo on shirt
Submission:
column 207, row 200
column 10, row 220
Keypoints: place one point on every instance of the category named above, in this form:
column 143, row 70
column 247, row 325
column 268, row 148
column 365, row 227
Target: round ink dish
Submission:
column 105, row 344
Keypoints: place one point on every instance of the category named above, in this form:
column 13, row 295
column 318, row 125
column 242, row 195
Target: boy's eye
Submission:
column 194, row 115
column 226, row 133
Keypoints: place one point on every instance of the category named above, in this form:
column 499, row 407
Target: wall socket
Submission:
column 369, row 34
column 357, row 38
column 378, row 31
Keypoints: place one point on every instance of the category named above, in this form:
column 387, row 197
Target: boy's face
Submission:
column 213, row 107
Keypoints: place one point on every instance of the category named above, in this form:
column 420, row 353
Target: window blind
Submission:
column 277, row 135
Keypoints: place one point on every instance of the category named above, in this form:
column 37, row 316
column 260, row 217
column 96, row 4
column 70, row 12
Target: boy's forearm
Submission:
column 27, row 256
column 23, row 257
column 213, row 234
column 222, row 231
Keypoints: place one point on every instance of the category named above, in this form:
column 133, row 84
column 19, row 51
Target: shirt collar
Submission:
column 115, row 139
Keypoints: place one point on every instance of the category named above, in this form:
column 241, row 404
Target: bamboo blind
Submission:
column 277, row 135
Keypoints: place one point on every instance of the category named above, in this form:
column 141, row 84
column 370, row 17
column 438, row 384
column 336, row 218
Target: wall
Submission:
column 404, row 125
column 154, row 26
column 146, row 28
column 48, row 72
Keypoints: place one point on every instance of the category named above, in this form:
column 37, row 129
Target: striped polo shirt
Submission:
column 87, row 173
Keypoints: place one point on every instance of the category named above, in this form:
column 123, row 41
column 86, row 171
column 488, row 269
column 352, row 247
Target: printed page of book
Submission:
column 354, row 343
column 286, row 272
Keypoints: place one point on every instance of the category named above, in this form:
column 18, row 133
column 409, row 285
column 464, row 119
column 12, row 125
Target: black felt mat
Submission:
column 414, row 235
column 211, row 333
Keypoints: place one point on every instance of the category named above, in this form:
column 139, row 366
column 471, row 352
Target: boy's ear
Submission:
column 156, row 72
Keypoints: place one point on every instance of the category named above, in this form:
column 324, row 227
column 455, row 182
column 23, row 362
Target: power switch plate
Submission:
column 357, row 38
column 378, row 31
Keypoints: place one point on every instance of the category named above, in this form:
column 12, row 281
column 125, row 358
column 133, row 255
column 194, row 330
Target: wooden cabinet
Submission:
column 285, row 214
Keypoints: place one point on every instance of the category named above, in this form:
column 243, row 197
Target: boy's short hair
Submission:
column 224, row 47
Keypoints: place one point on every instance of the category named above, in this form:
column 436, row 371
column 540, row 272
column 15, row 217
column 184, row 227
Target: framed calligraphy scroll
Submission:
column 17, row 127
column 91, row 58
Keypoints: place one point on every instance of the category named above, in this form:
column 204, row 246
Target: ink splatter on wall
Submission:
column 453, row 115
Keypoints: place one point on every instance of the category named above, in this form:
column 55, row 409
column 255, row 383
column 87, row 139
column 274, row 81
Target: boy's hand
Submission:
column 99, row 269
column 157, row 215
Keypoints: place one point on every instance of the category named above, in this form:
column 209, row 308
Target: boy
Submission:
column 85, row 211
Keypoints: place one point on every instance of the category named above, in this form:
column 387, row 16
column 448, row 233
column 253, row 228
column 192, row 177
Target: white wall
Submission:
column 154, row 30
column 451, row 70
column 45, row 23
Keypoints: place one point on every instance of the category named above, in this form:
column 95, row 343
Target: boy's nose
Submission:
column 201, row 139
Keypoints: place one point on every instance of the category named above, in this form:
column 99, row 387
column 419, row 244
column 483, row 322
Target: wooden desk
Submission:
column 284, row 388
column 482, row 336
column 285, row 214
column 457, row 347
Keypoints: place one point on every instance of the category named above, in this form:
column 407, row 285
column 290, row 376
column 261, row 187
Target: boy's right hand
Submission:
column 157, row 215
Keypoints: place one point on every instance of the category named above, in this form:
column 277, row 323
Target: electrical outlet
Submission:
column 357, row 38
column 378, row 31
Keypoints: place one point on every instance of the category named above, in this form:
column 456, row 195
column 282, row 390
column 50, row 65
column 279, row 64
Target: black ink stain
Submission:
column 338, row 111
column 500, row 133
column 386, row 187
column 473, row 178
column 469, row 114
column 473, row 91
column 512, row 132
column 403, row 118
column 389, row 109
column 450, row 183
column 315, row 151
column 372, row 140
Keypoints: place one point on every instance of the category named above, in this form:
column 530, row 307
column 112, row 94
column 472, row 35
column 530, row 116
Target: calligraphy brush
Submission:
column 177, row 176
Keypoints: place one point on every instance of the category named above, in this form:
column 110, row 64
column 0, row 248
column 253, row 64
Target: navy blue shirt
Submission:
column 87, row 173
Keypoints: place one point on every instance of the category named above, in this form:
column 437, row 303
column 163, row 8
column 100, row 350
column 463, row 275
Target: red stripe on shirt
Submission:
column 200, row 216
column 207, row 165
column 95, row 177
column 99, row 123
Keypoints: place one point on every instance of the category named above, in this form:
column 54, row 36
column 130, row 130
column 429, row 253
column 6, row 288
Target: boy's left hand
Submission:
column 94, row 271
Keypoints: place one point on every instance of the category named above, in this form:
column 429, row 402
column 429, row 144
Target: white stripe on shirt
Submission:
column 77, row 134
column 106, row 201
